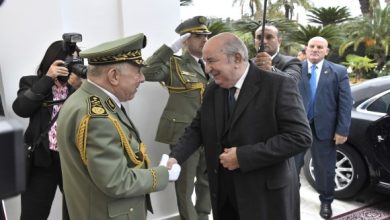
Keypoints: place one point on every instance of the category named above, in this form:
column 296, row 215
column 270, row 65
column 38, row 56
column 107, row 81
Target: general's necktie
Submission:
column 231, row 99
column 201, row 63
column 313, row 88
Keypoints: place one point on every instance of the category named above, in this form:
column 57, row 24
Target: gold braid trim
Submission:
column 81, row 141
column 125, row 144
column 154, row 179
column 187, row 86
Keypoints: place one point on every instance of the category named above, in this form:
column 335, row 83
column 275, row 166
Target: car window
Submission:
column 381, row 104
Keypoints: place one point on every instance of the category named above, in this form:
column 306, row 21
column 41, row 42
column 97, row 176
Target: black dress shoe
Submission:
column 326, row 210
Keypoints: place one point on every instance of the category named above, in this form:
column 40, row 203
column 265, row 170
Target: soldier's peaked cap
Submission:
column 126, row 49
column 196, row 25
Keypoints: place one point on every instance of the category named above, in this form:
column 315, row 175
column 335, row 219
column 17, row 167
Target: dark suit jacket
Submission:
column 286, row 65
column 266, row 136
column 333, row 102
column 32, row 94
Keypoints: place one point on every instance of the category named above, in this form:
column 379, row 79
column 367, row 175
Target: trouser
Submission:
column 42, row 184
column 193, row 167
column 323, row 154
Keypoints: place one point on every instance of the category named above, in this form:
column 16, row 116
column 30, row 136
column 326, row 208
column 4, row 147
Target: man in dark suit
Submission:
column 248, row 135
column 270, row 59
column 327, row 98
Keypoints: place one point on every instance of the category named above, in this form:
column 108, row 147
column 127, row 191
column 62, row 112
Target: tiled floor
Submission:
column 310, row 204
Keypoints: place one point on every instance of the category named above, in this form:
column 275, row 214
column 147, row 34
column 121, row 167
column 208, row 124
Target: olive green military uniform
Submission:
column 185, row 81
column 105, row 165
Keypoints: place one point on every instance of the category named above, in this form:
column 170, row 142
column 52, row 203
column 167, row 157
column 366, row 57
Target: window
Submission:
column 381, row 104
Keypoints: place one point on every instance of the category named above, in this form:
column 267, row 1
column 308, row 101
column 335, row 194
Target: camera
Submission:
column 74, row 64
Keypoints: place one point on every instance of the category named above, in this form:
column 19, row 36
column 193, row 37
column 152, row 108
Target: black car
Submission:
column 365, row 158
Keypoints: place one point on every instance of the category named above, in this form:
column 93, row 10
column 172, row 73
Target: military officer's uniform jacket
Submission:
column 185, row 81
column 104, row 163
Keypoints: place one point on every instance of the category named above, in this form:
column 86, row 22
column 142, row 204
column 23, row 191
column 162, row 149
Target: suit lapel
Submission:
column 219, row 108
column 276, row 60
column 247, row 92
column 323, row 76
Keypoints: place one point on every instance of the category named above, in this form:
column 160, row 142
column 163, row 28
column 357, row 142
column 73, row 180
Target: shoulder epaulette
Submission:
column 95, row 107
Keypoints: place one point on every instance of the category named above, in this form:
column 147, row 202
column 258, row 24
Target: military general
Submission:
column 106, row 169
column 185, row 79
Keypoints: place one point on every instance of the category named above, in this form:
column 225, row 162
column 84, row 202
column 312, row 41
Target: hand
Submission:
column 263, row 61
column 74, row 81
column 172, row 165
column 57, row 69
column 228, row 158
column 179, row 43
column 339, row 139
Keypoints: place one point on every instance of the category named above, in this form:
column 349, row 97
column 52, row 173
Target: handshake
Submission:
column 174, row 172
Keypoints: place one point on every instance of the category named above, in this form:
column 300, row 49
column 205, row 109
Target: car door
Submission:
column 379, row 130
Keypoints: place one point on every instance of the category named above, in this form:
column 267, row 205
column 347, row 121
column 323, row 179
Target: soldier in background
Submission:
column 185, row 79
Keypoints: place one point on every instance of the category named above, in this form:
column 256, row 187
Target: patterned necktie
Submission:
column 313, row 88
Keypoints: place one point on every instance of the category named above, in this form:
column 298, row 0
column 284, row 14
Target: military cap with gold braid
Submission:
column 195, row 25
column 126, row 49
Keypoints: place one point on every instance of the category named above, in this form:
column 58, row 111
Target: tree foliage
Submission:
column 330, row 15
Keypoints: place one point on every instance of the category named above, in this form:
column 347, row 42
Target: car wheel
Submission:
column 351, row 172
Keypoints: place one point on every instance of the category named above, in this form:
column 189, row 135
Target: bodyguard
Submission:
column 106, row 169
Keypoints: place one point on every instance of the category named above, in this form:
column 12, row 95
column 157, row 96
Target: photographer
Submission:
column 40, row 98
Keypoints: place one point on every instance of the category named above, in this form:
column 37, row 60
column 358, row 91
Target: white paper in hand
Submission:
column 164, row 160
column 174, row 172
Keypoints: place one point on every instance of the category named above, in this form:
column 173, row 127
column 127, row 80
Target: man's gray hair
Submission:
column 234, row 46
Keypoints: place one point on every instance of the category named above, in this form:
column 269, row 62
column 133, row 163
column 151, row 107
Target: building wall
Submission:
column 28, row 27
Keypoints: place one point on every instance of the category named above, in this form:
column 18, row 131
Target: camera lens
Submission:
column 63, row 79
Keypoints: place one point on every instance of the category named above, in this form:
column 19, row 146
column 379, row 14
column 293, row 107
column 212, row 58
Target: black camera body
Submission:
column 74, row 64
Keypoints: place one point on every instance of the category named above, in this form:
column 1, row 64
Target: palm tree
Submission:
column 256, row 7
column 330, row 15
column 331, row 33
column 367, row 6
column 373, row 32
column 303, row 34
column 359, row 65
column 289, row 6
column 218, row 25
column 185, row 2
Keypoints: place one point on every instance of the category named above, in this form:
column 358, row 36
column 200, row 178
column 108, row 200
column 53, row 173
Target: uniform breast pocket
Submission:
column 127, row 209
column 189, row 77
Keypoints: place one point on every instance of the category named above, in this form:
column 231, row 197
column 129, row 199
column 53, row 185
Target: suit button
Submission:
column 131, row 209
column 214, row 195
column 215, row 171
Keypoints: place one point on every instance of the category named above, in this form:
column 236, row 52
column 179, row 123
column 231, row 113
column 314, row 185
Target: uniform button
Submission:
column 174, row 120
column 131, row 209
